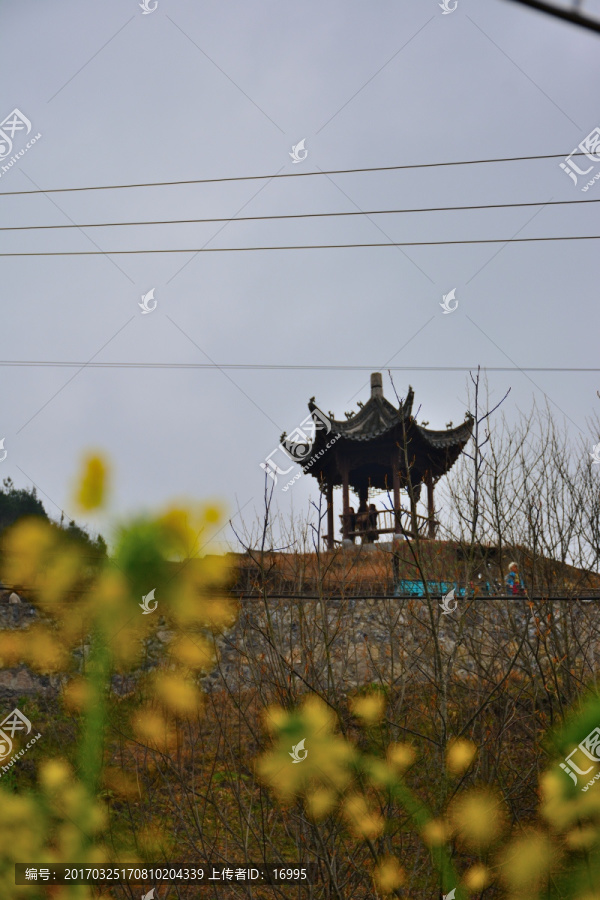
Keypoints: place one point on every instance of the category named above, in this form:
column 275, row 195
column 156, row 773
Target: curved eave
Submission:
column 443, row 448
column 451, row 437
column 440, row 448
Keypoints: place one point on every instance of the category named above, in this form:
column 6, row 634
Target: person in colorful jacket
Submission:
column 513, row 581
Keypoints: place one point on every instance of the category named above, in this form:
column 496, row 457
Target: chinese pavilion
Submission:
column 380, row 448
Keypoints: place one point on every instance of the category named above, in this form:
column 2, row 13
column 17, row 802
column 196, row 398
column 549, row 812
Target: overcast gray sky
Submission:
column 214, row 90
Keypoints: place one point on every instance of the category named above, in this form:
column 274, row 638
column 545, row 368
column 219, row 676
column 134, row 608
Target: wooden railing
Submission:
column 386, row 519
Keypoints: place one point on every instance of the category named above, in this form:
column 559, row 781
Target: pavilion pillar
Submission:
column 396, row 486
column 329, row 516
column 346, row 501
column 430, row 506
column 413, row 510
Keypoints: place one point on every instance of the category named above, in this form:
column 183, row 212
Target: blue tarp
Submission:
column 417, row 588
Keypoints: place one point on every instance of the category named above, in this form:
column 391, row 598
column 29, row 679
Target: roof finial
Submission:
column 376, row 385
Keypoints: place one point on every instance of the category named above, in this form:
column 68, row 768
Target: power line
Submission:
column 322, row 215
column 464, row 162
column 283, row 367
column 589, row 237
column 568, row 15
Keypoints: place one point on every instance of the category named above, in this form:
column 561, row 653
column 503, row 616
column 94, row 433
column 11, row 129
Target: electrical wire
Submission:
column 463, row 162
column 588, row 237
column 285, row 367
column 567, row 15
column 321, row 215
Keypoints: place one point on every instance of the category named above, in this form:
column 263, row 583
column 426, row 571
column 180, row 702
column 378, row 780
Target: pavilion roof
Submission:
column 377, row 417
column 366, row 442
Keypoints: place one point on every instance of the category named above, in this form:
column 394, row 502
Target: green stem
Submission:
column 420, row 815
column 91, row 751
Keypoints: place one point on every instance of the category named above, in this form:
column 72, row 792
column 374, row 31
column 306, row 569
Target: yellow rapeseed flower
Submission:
column 178, row 694
column 379, row 772
column 363, row 822
column 55, row 774
column 58, row 577
column 319, row 803
column 11, row 648
column 275, row 718
column 436, row 832
column 92, row 483
column 478, row 817
column 401, row 756
column 176, row 523
column 153, row 728
column 212, row 514
column 45, row 652
column 194, row 652
column 459, row 755
column 477, row 877
column 27, row 547
column 369, row 708
column 328, row 756
column 389, row 875
column 560, row 807
column 526, row 861
column 582, row 838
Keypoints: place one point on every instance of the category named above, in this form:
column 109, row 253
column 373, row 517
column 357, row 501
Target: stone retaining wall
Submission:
column 339, row 644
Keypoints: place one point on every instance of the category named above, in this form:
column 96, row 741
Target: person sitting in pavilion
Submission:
column 373, row 533
column 350, row 523
column 362, row 521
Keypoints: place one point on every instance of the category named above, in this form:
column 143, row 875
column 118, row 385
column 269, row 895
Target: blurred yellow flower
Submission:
column 477, row 877
column 527, row 860
column 153, row 728
column 177, row 693
column 560, row 807
column 436, row 832
column 96, row 607
column 92, row 483
column 478, row 817
column 59, row 576
column 275, row 718
column 194, row 652
column 389, row 875
column 582, row 838
column 362, row 821
column 11, row 648
column 369, row 708
column 459, row 755
column 55, row 774
column 27, row 548
column 212, row 514
column 183, row 528
column 176, row 522
column 379, row 772
column 328, row 757
column 319, row 803
column 45, row 651
column 401, row 756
